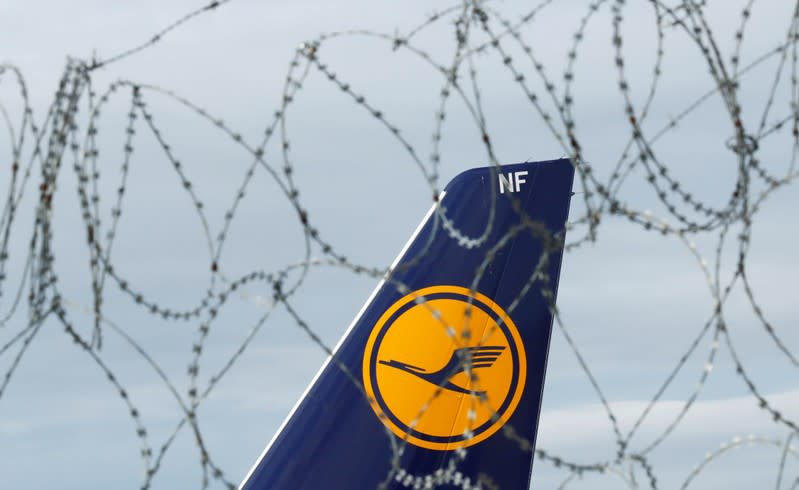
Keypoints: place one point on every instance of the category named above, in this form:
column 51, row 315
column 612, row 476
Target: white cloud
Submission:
column 583, row 433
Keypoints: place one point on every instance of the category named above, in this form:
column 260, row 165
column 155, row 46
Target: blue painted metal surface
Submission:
column 334, row 439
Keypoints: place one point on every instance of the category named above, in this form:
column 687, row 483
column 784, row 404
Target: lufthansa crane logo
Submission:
column 444, row 367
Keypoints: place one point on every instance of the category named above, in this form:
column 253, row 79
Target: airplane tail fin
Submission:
column 438, row 381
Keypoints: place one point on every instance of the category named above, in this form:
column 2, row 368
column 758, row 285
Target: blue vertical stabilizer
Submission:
column 438, row 381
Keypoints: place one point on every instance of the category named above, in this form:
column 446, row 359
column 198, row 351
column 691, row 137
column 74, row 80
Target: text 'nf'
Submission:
column 513, row 181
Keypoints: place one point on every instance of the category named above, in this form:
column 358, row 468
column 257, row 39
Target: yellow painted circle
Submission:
column 415, row 367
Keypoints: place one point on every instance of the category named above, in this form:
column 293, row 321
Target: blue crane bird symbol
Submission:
column 479, row 357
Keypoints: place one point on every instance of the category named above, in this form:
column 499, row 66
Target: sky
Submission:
column 632, row 301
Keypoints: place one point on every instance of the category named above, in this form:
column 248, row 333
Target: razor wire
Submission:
column 65, row 138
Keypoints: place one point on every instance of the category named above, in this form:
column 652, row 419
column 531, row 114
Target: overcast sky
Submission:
column 633, row 300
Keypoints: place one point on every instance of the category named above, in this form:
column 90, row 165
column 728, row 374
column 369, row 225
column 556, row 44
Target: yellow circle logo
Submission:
column 444, row 367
